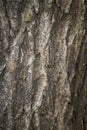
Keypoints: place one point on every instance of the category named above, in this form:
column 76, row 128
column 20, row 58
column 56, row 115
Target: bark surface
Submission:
column 43, row 65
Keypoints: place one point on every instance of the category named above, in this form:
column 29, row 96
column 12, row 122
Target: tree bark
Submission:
column 43, row 65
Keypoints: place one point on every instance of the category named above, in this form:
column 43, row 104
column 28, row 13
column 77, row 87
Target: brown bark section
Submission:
column 43, row 65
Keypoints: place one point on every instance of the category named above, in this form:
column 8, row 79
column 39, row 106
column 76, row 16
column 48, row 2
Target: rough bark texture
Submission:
column 43, row 65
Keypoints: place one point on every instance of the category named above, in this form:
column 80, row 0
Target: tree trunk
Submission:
column 43, row 65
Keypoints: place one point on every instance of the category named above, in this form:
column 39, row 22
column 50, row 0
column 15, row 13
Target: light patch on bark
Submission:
column 39, row 94
column 36, row 6
column 63, row 90
column 19, row 37
column 22, row 55
column 68, row 4
column 27, row 61
column 44, row 32
column 37, row 121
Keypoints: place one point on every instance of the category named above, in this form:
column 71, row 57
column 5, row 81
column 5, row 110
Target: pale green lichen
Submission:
column 11, row 66
column 26, row 16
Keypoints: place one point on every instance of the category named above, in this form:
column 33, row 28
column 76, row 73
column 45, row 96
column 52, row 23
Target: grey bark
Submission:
column 43, row 65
